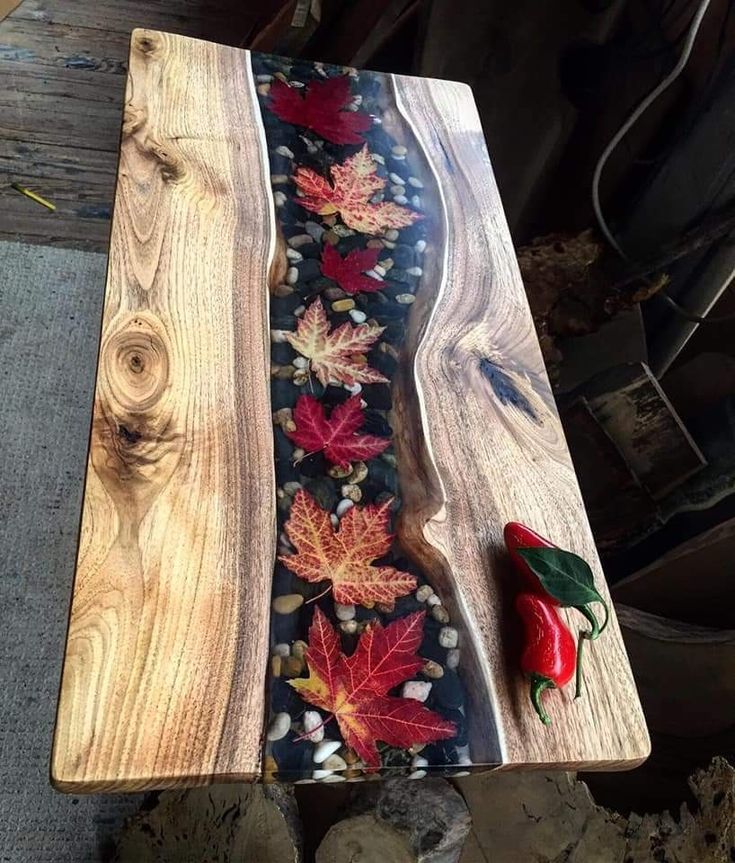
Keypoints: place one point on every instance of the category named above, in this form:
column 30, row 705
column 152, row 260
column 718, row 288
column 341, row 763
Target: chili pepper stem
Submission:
column 578, row 680
column 587, row 612
column 539, row 684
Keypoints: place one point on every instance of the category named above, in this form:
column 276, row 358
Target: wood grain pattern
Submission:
column 163, row 680
column 493, row 451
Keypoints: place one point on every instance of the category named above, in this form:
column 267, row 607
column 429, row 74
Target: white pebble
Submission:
column 325, row 749
column 377, row 121
column 448, row 637
column 399, row 150
column 415, row 182
column 314, row 230
column 391, row 235
column 462, row 773
column 380, row 271
column 417, row 689
column 420, row 246
column 300, row 240
column 376, row 157
column 279, row 179
column 344, row 612
column 405, row 299
column 343, row 506
column 281, row 650
column 354, row 388
column 424, row 592
column 416, row 202
column 279, row 726
column 334, row 762
column 453, row 658
column 374, row 275
column 307, row 781
column 463, row 755
column 284, row 151
column 419, row 761
column 297, row 84
column 358, row 316
column 293, row 255
column 279, row 199
column 334, row 777
column 298, row 311
column 433, row 600
column 301, row 363
column 292, row 275
column 320, row 774
column 263, row 79
column 357, row 100
column 399, row 181
column 313, row 726
column 278, row 336
column 291, row 487
column 397, row 190
column 414, row 271
column 333, row 518
column 417, row 774
column 399, row 199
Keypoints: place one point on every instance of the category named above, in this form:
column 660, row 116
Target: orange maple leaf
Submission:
column 333, row 356
column 345, row 556
column 353, row 688
column 353, row 184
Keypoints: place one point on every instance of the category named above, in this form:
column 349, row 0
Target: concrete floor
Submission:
column 50, row 306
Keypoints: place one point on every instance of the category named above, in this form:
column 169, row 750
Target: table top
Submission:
column 319, row 399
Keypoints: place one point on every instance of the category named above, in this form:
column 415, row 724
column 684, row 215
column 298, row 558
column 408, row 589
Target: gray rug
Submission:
column 50, row 306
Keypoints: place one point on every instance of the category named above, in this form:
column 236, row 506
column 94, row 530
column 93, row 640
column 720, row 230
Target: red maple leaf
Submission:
column 321, row 109
column 345, row 556
column 337, row 436
column 349, row 271
column 353, row 184
column 354, row 688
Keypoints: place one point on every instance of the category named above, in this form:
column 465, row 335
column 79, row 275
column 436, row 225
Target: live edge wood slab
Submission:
column 215, row 632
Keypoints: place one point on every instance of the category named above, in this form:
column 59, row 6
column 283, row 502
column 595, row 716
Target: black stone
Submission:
column 460, row 722
column 283, row 446
column 377, row 396
column 283, row 697
column 323, row 490
column 283, row 307
column 282, row 353
column 313, row 465
column 311, row 251
column 442, row 752
column 308, row 270
column 430, row 647
column 403, row 257
column 447, row 691
column 293, row 755
column 374, row 422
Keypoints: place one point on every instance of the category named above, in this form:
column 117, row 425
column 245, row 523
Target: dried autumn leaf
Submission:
column 337, row 435
column 349, row 271
column 345, row 556
column 333, row 357
column 321, row 109
column 353, row 184
column 354, row 688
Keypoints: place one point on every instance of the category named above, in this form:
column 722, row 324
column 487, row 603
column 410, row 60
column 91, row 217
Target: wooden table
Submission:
column 314, row 329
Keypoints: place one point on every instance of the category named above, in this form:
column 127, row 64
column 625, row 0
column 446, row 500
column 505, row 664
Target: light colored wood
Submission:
column 164, row 674
column 480, row 462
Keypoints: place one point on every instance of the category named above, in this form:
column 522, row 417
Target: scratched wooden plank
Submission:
column 492, row 450
column 163, row 679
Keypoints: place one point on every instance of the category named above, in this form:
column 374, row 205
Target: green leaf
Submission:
column 563, row 575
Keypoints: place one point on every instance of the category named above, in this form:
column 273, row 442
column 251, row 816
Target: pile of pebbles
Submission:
column 300, row 745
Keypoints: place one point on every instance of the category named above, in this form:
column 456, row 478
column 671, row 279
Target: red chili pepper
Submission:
column 517, row 536
column 550, row 654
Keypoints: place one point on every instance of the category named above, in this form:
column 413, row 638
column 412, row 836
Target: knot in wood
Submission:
column 135, row 363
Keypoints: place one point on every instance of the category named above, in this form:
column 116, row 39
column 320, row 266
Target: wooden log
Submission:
column 405, row 822
column 224, row 823
column 552, row 817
